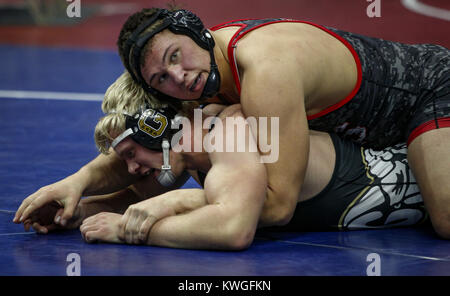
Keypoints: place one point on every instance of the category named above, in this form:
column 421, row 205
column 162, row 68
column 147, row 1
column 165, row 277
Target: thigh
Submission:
column 429, row 159
column 429, row 143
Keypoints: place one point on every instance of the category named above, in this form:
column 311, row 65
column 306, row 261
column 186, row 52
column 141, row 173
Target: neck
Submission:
column 227, row 85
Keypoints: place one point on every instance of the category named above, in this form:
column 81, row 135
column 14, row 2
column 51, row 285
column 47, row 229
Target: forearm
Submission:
column 209, row 227
column 182, row 200
column 103, row 175
column 227, row 222
column 177, row 201
column 116, row 202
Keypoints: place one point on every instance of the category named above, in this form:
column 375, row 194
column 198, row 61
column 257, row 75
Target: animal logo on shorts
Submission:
column 392, row 199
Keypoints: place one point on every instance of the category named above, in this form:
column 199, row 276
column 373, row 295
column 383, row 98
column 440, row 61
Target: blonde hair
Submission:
column 108, row 127
column 125, row 96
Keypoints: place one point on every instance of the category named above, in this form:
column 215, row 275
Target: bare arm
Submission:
column 116, row 202
column 227, row 221
column 235, row 190
column 120, row 201
column 222, row 216
column 104, row 175
column 274, row 89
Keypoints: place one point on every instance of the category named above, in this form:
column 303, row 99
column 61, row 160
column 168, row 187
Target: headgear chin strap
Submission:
column 153, row 129
column 178, row 22
column 166, row 177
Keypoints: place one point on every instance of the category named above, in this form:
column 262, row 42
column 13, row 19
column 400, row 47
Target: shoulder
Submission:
column 222, row 111
column 221, row 120
column 231, row 111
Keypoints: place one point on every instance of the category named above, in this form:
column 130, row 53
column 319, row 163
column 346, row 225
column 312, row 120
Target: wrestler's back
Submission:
column 325, row 66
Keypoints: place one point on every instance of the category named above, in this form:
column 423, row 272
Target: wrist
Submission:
column 81, row 181
column 90, row 207
column 183, row 200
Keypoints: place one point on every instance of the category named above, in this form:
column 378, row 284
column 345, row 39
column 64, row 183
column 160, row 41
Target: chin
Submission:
column 191, row 96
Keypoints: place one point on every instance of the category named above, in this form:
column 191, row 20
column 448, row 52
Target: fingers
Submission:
column 27, row 224
column 34, row 202
column 102, row 227
column 213, row 109
column 132, row 229
column 144, row 231
column 135, row 226
column 87, row 230
column 59, row 194
column 40, row 229
column 90, row 236
column 42, row 221
column 58, row 215
column 19, row 216
column 62, row 217
column 122, row 224
column 130, row 225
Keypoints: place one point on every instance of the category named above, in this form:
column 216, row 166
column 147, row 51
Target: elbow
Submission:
column 239, row 237
column 240, row 240
column 279, row 211
column 282, row 215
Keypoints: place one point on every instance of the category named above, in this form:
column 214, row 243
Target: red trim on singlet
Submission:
column 428, row 126
column 234, row 68
column 228, row 24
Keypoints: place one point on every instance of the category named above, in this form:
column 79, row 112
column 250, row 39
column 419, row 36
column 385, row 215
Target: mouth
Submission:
column 156, row 173
column 149, row 172
column 197, row 84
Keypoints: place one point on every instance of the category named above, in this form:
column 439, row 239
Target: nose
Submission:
column 177, row 73
column 133, row 167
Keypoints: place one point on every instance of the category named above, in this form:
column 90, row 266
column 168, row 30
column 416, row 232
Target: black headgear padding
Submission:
column 178, row 22
column 151, row 126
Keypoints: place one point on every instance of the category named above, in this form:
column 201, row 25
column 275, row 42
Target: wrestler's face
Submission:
column 176, row 66
column 143, row 161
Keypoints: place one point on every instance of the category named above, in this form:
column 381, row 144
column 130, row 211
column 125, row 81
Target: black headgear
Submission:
column 150, row 128
column 153, row 129
column 178, row 22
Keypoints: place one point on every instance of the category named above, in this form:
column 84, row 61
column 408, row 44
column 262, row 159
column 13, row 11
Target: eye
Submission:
column 174, row 56
column 162, row 78
column 130, row 154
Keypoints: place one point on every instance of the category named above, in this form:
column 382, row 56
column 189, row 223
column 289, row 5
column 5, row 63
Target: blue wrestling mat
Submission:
column 49, row 104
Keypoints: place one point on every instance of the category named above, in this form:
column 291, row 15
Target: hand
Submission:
column 213, row 109
column 64, row 194
column 139, row 218
column 43, row 219
column 103, row 227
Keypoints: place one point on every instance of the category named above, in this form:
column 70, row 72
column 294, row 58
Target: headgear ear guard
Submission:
column 178, row 22
column 153, row 129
